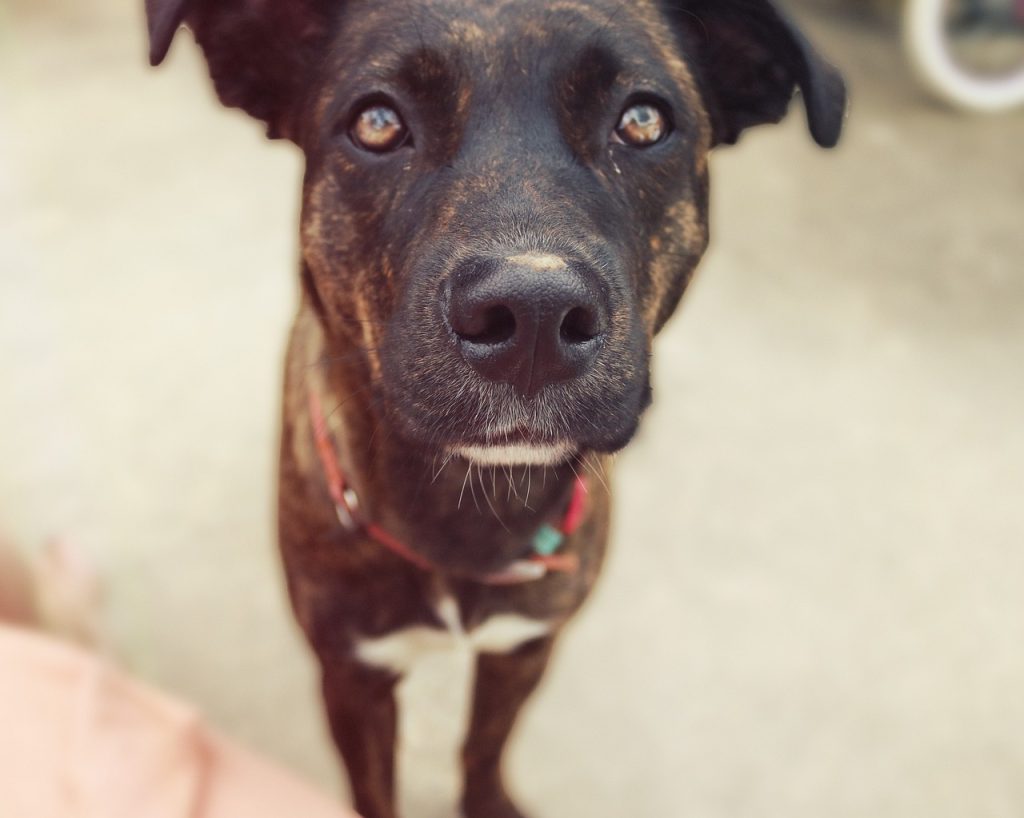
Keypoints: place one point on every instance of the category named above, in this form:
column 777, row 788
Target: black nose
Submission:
column 527, row 320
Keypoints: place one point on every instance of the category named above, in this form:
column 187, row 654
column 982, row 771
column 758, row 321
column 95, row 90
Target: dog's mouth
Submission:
column 521, row 454
column 515, row 447
column 491, row 425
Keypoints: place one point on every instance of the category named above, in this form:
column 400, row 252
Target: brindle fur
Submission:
column 511, row 103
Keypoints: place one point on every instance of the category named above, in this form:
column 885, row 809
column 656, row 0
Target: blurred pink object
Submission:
column 80, row 739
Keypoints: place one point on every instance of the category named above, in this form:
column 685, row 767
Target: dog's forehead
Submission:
column 492, row 20
column 496, row 36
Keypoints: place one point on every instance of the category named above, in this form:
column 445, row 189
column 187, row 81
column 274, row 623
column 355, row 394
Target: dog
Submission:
column 503, row 203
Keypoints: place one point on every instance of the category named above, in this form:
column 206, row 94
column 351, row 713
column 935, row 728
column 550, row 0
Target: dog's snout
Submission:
column 526, row 320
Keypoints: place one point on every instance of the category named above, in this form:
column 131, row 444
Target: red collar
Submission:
column 537, row 565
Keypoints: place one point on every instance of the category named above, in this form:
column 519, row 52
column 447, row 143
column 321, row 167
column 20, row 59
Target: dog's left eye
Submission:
column 378, row 128
column 642, row 125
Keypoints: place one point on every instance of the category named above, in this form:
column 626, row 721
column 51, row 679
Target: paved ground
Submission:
column 814, row 605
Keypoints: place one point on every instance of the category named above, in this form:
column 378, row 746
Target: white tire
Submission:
column 927, row 46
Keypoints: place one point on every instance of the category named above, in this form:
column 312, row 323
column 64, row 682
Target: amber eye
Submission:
column 642, row 125
column 379, row 128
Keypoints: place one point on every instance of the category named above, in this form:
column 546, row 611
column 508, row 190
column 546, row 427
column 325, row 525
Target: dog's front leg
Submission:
column 361, row 709
column 503, row 683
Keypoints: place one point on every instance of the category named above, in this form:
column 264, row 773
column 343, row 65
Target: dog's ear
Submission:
column 750, row 58
column 261, row 53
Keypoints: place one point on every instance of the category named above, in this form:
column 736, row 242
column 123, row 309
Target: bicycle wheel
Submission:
column 969, row 53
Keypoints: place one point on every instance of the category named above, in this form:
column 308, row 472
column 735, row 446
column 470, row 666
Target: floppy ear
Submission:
column 261, row 53
column 750, row 58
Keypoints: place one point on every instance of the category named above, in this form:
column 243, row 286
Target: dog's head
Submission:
column 504, row 200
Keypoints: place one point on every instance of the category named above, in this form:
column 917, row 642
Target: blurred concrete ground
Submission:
column 815, row 601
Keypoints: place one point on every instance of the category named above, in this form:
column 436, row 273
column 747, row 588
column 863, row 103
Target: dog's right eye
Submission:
column 378, row 128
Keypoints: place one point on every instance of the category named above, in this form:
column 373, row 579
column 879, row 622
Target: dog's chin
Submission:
column 517, row 454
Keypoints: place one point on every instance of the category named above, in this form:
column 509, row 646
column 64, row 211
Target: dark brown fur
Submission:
column 510, row 103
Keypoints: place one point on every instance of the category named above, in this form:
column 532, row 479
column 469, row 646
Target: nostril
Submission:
column 494, row 325
column 579, row 326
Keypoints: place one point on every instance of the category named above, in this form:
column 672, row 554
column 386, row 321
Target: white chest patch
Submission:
column 399, row 651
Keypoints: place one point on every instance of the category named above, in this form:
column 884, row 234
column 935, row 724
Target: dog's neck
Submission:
column 468, row 518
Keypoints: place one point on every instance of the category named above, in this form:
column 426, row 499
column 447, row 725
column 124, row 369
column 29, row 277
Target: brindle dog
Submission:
column 503, row 203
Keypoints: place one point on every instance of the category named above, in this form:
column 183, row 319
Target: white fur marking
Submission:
column 517, row 455
column 538, row 261
column 399, row 651
column 504, row 633
column 448, row 612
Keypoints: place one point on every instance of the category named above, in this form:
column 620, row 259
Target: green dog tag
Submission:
column 546, row 540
